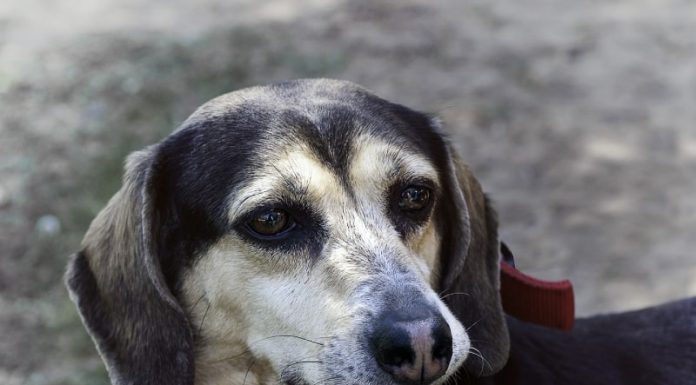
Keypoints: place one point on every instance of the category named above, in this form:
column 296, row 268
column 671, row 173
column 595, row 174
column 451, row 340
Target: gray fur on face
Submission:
column 170, row 285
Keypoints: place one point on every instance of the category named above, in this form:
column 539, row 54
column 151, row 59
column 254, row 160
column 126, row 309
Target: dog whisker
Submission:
column 484, row 361
column 293, row 336
column 299, row 363
column 326, row 379
column 205, row 314
column 248, row 350
column 457, row 293
column 253, row 361
column 473, row 324
column 198, row 300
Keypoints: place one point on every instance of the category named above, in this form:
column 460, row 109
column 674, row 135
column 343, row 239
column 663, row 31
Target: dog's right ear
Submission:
column 117, row 284
column 470, row 269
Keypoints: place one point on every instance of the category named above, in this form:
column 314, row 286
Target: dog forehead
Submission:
column 295, row 95
column 325, row 114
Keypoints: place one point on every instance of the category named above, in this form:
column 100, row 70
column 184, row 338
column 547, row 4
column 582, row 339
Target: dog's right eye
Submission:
column 271, row 223
column 414, row 198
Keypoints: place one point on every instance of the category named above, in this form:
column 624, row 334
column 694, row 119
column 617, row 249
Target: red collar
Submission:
column 545, row 303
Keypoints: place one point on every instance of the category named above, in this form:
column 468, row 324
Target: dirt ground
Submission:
column 579, row 117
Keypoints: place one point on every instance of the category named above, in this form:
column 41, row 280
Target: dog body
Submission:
column 651, row 346
column 300, row 233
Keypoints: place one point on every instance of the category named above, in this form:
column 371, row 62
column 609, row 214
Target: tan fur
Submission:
column 246, row 299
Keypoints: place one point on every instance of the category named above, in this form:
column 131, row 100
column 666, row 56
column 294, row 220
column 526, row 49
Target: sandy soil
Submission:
column 578, row 117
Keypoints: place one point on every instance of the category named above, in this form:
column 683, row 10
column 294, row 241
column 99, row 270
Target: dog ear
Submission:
column 118, row 286
column 469, row 265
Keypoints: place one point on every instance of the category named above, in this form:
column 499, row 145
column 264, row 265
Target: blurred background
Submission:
column 579, row 118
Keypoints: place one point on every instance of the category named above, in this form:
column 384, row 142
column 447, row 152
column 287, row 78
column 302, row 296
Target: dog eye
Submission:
column 271, row 222
column 414, row 198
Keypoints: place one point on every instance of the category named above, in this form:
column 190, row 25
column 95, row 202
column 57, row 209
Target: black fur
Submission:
column 645, row 347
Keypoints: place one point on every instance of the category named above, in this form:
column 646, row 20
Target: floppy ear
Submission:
column 469, row 265
column 117, row 283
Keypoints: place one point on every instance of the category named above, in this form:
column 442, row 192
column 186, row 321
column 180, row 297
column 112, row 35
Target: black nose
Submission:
column 412, row 351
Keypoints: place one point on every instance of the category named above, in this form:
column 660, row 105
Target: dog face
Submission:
column 304, row 232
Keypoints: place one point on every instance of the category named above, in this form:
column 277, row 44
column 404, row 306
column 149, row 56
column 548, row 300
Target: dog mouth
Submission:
column 333, row 380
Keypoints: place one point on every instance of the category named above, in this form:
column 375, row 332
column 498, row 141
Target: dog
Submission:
column 309, row 232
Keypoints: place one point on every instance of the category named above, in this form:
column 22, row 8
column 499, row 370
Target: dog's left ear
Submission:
column 118, row 284
column 469, row 266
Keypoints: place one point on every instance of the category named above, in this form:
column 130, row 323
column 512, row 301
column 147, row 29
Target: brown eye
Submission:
column 271, row 222
column 414, row 198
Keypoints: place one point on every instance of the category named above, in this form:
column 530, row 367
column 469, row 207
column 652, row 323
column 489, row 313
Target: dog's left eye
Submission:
column 271, row 223
column 414, row 198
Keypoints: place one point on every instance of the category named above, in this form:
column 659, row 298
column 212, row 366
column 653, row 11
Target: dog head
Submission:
column 303, row 232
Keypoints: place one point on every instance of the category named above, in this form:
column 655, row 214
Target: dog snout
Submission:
column 412, row 350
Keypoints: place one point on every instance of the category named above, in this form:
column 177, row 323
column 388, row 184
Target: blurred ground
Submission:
column 578, row 117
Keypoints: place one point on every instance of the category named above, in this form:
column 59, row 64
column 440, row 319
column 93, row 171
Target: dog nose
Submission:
column 415, row 351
